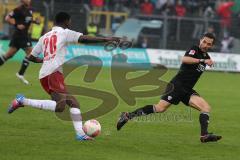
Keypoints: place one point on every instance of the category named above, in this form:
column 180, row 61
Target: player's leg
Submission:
column 21, row 101
column 55, row 83
column 24, row 66
column 75, row 113
column 200, row 104
column 171, row 96
column 47, row 83
column 162, row 106
column 57, row 104
column 9, row 54
column 76, row 116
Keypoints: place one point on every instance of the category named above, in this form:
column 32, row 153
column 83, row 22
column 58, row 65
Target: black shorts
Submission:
column 20, row 42
column 178, row 93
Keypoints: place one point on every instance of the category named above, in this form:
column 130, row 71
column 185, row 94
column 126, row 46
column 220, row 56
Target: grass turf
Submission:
column 35, row 134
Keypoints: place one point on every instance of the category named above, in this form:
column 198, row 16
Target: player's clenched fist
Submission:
column 209, row 62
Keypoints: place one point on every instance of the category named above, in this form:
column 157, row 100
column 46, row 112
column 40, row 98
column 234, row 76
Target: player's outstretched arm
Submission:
column 91, row 39
column 10, row 20
column 191, row 60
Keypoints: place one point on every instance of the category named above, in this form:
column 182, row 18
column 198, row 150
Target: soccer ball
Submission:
column 92, row 128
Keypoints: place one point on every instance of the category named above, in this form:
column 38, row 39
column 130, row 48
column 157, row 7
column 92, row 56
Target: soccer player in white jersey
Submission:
column 53, row 45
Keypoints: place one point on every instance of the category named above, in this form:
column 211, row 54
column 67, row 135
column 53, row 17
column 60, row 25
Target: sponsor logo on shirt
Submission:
column 192, row 52
column 201, row 68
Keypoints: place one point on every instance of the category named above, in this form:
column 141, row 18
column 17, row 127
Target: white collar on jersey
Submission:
column 57, row 28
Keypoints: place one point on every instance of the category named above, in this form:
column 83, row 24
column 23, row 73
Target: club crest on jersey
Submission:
column 192, row 52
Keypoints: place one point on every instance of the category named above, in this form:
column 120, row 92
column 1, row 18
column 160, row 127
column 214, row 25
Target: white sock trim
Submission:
column 40, row 104
column 3, row 59
column 77, row 120
column 207, row 113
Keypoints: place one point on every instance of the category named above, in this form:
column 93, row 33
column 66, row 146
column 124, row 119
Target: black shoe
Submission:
column 123, row 119
column 210, row 137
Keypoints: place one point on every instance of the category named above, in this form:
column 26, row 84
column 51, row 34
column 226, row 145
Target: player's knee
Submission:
column 206, row 108
column 160, row 108
column 8, row 56
column 60, row 109
column 60, row 106
column 72, row 103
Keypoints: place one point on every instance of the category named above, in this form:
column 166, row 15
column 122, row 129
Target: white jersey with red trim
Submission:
column 54, row 47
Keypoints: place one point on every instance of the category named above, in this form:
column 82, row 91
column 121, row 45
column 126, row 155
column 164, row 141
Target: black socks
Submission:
column 25, row 64
column 204, row 120
column 148, row 109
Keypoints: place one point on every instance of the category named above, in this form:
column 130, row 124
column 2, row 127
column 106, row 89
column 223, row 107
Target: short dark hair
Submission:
column 210, row 35
column 61, row 17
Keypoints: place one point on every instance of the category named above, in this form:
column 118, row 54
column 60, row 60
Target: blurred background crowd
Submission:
column 164, row 24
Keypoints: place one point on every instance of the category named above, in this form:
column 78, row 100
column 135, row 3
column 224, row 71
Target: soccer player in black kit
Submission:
column 21, row 17
column 193, row 65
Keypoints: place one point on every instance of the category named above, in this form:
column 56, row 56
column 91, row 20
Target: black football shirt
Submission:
column 22, row 15
column 189, row 74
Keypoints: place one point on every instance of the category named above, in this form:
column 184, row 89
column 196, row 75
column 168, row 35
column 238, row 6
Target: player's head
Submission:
column 207, row 42
column 26, row 2
column 63, row 19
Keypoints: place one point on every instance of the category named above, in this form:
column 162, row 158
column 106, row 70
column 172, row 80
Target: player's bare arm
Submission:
column 91, row 39
column 209, row 62
column 35, row 59
column 191, row 60
column 12, row 21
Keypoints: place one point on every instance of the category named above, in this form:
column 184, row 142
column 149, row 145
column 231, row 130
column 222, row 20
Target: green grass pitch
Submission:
column 30, row 134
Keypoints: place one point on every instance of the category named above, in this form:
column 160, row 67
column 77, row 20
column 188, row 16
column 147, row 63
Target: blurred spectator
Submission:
column 211, row 29
column 209, row 12
column 147, row 7
column 134, row 6
column 227, row 44
column 192, row 6
column 154, row 2
column 97, row 5
column 165, row 7
column 180, row 9
column 198, row 25
column 118, row 5
column 236, row 7
column 225, row 13
column 143, row 43
column 160, row 4
column 92, row 29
